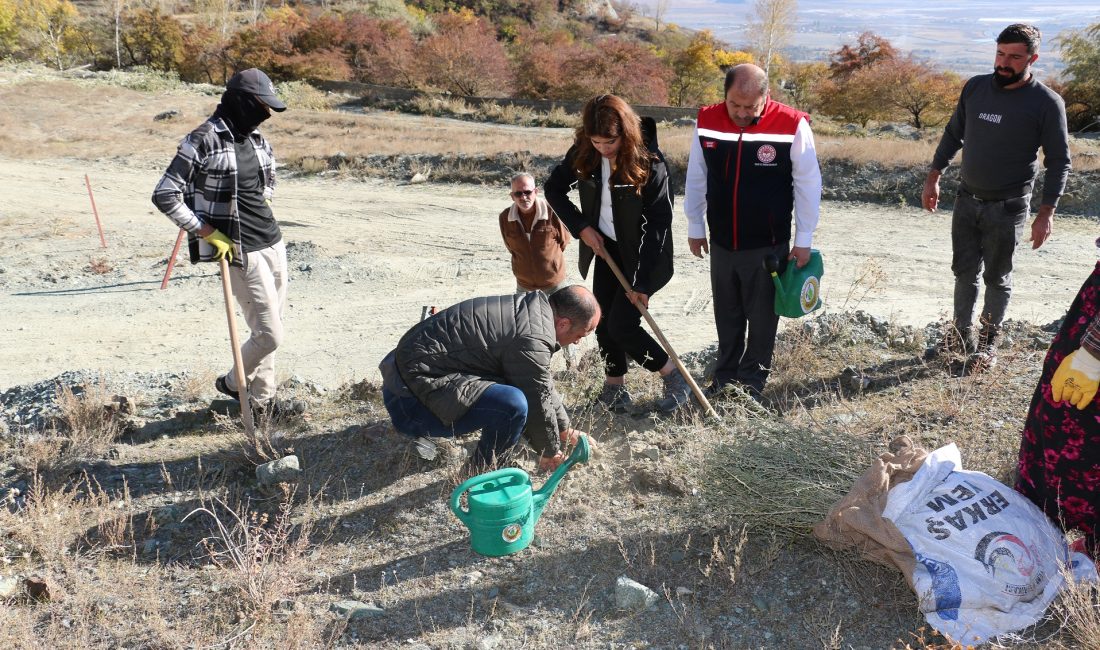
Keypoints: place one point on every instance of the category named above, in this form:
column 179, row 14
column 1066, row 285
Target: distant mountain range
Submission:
column 955, row 35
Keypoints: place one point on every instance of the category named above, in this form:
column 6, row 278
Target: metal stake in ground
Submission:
column 95, row 212
column 664, row 342
column 238, row 361
column 172, row 260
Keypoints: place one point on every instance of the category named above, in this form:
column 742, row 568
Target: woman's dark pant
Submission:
column 500, row 413
column 620, row 332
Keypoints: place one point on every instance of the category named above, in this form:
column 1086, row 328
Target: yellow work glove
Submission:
column 221, row 243
column 1076, row 379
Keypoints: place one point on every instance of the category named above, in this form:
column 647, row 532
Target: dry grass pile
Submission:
column 774, row 477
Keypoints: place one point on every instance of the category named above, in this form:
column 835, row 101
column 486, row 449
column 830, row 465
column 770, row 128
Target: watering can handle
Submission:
column 476, row 480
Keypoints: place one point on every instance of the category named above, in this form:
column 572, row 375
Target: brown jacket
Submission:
column 538, row 259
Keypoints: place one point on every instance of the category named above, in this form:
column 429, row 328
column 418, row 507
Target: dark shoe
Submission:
column 615, row 398
column 223, row 388
column 677, row 392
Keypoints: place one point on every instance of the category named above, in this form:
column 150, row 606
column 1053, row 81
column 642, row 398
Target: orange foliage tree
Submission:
column 464, row 57
column 869, row 49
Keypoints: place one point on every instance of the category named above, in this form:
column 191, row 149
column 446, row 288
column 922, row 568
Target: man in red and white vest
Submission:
column 752, row 171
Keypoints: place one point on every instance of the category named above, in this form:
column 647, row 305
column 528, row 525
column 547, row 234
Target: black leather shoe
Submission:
column 223, row 388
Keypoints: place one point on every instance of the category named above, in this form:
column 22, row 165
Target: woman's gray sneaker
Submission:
column 615, row 398
column 676, row 393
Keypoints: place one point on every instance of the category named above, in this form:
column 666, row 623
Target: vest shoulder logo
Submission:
column 766, row 153
column 710, row 144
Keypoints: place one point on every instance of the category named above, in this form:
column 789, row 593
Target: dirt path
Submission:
column 366, row 256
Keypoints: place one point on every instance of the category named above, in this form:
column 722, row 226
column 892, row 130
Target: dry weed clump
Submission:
column 100, row 266
column 262, row 555
column 88, row 428
column 1077, row 613
column 773, row 477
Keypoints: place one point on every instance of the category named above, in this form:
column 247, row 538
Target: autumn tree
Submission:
column 380, row 51
column 151, row 38
column 464, row 56
column 47, row 29
column 919, row 92
column 267, row 44
column 770, row 26
column 1081, row 55
column 869, row 49
column 696, row 71
column 619, row 66
column 802, row 84
column 855, row 99
column 9, row 27
column 540, row 61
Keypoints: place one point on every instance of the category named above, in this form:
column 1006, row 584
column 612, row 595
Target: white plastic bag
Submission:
column 988, row 560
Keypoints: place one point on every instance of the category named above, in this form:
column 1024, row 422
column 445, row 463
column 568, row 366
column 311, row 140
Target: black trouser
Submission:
column 984, row 233
column 620, row 332
column 744, row 314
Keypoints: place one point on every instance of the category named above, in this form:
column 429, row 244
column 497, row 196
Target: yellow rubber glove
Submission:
column 222, row 244
column 1076, row 379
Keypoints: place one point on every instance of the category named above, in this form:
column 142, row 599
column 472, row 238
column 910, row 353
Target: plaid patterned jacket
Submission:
column 200, row 185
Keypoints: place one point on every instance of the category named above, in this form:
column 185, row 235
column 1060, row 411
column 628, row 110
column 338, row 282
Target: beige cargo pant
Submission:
column 260, row 289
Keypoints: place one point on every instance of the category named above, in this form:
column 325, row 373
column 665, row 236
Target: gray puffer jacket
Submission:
column 448, row 361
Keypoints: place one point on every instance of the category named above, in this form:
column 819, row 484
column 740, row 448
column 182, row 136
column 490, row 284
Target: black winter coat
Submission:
column 643, row 223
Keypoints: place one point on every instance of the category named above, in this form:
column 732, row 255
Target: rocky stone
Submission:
column 9, row 587
column 167, row 115
column 354, row 609
column 489, row 642
column 633, row 595
column 418, row 177
column 284, row 470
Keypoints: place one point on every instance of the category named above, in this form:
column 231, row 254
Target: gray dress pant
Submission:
column 985, row 234
column 744, row 314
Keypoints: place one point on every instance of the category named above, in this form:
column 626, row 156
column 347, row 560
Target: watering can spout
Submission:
column 542, row 495
column 771, row 265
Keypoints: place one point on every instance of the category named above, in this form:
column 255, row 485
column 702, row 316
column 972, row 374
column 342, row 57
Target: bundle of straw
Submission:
column 777, row 478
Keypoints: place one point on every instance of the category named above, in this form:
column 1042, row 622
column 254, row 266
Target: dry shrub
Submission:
column 100, row 266
column 44, row 529
column 88, row 428
column 299, row 95
column 1077, row 610
column 778, row 478
column 262, row 556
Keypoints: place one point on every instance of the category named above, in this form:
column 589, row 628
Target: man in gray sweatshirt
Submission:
column 1001, row 121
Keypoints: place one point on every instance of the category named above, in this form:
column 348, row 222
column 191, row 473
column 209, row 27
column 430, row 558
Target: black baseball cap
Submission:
column 254, row 81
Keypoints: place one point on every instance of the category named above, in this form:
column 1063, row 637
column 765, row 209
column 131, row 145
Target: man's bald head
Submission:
column 747, row 79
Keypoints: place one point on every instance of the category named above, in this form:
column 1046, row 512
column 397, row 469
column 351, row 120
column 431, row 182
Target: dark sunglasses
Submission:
column 523, row 193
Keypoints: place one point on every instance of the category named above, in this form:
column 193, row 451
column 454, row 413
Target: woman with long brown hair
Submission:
column 625, row 215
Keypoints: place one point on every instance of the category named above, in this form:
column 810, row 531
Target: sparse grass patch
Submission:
column 300, row 96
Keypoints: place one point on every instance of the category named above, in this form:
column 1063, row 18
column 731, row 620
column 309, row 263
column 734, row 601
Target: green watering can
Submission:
column 502, row 510
column 798, row 292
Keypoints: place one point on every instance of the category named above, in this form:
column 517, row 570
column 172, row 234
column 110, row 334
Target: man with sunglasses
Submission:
column 535, row 237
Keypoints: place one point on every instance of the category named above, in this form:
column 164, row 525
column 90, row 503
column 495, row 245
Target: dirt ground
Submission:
column 367, row 255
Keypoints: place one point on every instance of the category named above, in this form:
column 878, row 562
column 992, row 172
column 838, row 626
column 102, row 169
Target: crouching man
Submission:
column 484, row 364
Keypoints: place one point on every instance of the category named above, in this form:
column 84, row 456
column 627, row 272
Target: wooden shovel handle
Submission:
column 234, row 340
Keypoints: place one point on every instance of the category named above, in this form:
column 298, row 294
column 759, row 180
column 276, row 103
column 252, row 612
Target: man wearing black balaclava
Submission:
column 218, row 188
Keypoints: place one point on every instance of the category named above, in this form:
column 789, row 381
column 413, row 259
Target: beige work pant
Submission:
column 260, row 289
